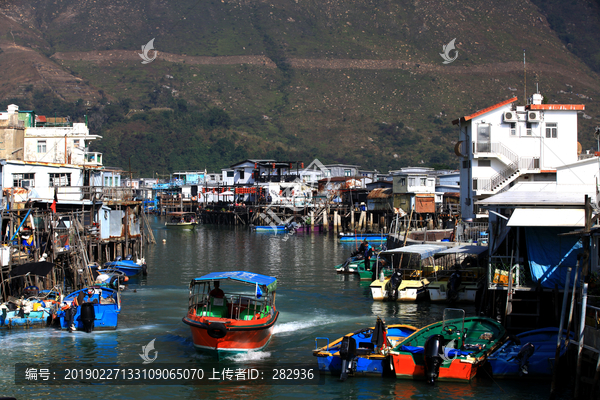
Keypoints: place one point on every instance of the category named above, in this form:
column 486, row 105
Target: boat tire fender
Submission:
column 216, row 330
column 114, row 282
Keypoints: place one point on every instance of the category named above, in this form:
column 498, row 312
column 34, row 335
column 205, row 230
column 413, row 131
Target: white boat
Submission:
column 459, row 275
column 413, row 267
column 181, row 220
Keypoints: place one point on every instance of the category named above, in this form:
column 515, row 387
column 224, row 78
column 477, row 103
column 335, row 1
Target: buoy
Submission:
column 164, row 240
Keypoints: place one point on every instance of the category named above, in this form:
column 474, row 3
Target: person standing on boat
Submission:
column 368, row 252
column 217, row 292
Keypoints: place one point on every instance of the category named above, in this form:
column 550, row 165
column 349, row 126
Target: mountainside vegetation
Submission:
column 358, row 82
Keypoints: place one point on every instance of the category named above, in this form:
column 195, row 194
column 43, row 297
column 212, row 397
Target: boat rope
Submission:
column 493, row 380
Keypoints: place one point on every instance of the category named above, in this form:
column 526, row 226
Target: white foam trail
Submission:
column 250, row 356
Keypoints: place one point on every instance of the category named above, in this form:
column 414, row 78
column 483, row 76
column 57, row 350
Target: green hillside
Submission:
column 360, row 82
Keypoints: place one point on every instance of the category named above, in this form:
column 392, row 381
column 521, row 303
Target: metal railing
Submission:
column 496, row 148
column 529, row 163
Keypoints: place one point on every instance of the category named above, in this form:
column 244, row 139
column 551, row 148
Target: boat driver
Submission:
column 217, row 292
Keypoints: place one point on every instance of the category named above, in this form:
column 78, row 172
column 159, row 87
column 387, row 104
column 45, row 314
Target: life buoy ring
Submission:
column 194, row 198
column 216, row 330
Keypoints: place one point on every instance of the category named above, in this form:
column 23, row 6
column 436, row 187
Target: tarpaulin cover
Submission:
column 41, row 268
column 550, row 255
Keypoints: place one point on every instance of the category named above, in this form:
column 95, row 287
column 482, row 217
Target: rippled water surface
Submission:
column 312, row 299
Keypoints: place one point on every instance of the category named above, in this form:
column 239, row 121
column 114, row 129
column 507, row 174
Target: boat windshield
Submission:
column 453, row 317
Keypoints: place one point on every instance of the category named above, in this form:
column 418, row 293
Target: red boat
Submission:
column 450, row 350
column 235, row 320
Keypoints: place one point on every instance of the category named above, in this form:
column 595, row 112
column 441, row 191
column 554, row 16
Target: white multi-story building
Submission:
column 505, row 144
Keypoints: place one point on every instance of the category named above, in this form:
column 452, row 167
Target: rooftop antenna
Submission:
column 525, row 77
column 537, row 87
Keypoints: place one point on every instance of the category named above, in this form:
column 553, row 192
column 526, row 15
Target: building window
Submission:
column 106, row 181
column 41, row 146
column 430, row 182
column 513, row 129
column 230, row 174
column 528, row 128
column 551, row 130
column 347, row 172
column 411, row 181
column 484, row 163
column 423, row 181
column 23, row 180
column 402, row 181
column 62, row 179
column 242, row 174
column 76, row 142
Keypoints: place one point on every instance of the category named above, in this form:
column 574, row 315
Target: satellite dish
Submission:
column 579, row 149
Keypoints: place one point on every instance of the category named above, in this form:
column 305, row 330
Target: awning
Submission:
column 41, row 268
column 568, row 217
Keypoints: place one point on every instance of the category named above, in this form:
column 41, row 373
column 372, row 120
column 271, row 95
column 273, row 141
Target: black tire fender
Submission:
column 216, row 330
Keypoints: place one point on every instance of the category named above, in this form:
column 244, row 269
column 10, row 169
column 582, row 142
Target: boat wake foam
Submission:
column 250, row 356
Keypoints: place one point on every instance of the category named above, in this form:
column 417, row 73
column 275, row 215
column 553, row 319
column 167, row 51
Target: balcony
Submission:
column 92, row 158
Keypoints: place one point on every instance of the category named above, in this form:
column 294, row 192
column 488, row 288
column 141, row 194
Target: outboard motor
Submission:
column 526, row 351
column 453, row 285
column 347, row 354
column 128, row 257
column 393, row 284
column 346, row 265
column 87, row 315
column 434, row 349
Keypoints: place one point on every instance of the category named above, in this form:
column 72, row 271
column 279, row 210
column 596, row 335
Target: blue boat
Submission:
column 361, row 353
column 127, row 266
column 369, row 237
column 528, row 354
column 271, row 229
column 31, row 313
column 94, row 308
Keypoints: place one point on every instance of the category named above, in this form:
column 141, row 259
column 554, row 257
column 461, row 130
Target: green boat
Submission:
column 450, row 350
column 355, row 265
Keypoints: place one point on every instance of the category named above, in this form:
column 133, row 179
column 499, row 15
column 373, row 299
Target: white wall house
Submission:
column 41, row 179
column 504, row 144
column 61, row 145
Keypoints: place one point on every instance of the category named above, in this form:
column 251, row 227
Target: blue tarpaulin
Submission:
column 550, row 254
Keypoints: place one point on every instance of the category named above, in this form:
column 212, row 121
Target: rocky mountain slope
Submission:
column 357, row 81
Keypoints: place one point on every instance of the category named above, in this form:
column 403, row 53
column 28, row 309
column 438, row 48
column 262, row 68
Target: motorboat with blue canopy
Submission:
column 235, row 319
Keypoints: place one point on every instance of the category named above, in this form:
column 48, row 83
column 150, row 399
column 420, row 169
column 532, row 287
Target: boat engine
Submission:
column 434, row 350
column 88, row 315
column 347, row 354
column 523, row 357
column 393, row 284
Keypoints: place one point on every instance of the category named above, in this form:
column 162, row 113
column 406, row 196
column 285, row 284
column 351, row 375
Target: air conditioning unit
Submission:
column 510, row 116
column 533, row 116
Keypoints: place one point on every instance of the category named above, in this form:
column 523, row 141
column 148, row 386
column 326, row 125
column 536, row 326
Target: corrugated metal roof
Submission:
column 567, row 217
column 467, row 249
column 517, row 198
column 425, row 250
column 380, row 193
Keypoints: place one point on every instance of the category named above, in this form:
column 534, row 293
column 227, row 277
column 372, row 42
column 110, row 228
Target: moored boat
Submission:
column 460, row 274
column 358, row 237
column 181, row 220
column 361, row 353
column 528, row 354
column 32, row 312
column 127, row 266
column 91, row 309
column 413, row 266
column 270, row 228
column 450, row 350
column 234, row 321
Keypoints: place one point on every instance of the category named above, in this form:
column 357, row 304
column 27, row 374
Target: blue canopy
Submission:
column 241, row 276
